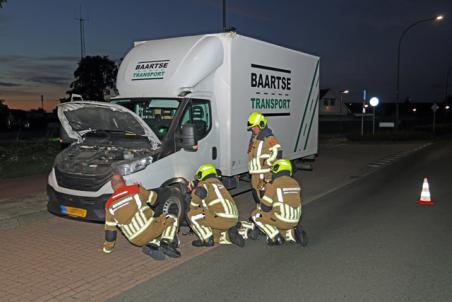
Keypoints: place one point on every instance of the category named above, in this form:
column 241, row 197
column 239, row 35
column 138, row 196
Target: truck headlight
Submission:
column 128, row 167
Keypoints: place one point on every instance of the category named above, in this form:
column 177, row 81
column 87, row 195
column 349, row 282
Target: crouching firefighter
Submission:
column 130, row 209
column 213, row 214
column 279, row 216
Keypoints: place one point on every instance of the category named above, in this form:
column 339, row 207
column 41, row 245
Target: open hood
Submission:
column 79, row 118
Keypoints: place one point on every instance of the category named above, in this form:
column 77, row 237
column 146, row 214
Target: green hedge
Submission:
column 27, row 157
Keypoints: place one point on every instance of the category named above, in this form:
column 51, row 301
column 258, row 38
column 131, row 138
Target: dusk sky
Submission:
column 356, row 40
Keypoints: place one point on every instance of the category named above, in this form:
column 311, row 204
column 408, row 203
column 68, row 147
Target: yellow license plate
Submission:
column 77, row 212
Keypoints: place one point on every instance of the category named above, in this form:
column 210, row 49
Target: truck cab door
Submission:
column 198, row 113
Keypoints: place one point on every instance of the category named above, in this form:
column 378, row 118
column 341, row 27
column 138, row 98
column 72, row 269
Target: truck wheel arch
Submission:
column 175, row 195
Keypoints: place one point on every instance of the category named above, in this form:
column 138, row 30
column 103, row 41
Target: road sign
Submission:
column 386, row 124
column 434, row 107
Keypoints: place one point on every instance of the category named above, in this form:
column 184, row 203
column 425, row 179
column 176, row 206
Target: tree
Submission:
column 94, row 76
column 1, row 3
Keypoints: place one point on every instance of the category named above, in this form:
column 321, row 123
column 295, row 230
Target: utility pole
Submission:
column 224, row 15
column 82, row 34
column 42, row 101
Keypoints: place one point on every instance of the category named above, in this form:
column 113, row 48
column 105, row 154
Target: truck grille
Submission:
column 81, row 182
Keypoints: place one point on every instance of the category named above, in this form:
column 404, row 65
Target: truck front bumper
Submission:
column 80, row 207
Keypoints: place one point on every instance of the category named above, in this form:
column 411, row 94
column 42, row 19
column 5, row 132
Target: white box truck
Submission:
column 183, row 102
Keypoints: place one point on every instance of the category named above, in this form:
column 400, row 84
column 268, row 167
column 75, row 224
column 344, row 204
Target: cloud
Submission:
column 25, row 77
column 18, row 59
column 52, row 80
column 8, row 84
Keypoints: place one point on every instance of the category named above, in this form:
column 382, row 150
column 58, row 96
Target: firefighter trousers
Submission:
column 206, row 223
column 271, row 225
column 163, row 227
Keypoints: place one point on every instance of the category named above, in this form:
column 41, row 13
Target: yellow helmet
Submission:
column 257, row 119
column 282, row 165
column 205, row 170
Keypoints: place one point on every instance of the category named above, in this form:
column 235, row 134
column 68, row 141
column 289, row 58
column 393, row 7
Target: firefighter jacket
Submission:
column 283, row 196
column 212, row 195
column 128, row 209
column 262, row 152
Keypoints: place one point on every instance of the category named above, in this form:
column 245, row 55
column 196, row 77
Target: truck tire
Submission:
column 170, row 200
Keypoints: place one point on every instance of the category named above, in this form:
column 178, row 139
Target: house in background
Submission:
column 334, row 116
column 332, row 103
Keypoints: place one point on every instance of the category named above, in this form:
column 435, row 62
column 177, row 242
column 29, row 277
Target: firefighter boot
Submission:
column 278, row 240
column 234, row 236
column 199, row 242
column 300, row 235
column 168, row 248
column 153, row 251
column 254, row 233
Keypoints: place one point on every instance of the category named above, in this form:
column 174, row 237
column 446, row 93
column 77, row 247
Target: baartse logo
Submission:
column 150, row 70
column 272, row 87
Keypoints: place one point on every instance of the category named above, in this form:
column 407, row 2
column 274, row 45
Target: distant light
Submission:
column 374, row 101
column 439, row 18
column 414, row 109
column 447, row 107
column 345, row 91
column 365, row 106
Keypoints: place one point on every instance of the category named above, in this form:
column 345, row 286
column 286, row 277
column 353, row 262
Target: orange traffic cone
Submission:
column 425, row 195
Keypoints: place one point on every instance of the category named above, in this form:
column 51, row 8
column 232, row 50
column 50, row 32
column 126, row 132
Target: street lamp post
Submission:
column 437, row 18
column 447, row 84
column 342, row 92
column 346, row 91
column 374, row 101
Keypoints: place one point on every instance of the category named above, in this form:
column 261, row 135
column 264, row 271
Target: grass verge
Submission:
column 28, row 157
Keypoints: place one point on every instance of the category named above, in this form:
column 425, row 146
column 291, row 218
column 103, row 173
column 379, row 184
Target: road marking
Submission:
column 394, row 157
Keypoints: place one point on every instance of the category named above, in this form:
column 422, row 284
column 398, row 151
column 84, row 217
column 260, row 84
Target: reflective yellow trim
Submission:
column 224, row 215
column 267, row 199
column 107, row 251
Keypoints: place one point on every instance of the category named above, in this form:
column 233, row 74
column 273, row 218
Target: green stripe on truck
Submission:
column 307, row 105
column 312, row 118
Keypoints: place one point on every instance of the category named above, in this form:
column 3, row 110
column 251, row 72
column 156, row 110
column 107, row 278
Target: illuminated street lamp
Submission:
column 435, row 19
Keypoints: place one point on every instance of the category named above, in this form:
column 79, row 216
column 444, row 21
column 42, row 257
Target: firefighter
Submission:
column 263, row 150
column 213, row 214
column 130, row 209
column 279, row 216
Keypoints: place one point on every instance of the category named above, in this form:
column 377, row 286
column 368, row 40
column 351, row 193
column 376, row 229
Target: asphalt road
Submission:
column 369, row 241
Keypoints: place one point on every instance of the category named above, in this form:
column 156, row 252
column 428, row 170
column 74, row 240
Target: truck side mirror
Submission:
column 186, row 138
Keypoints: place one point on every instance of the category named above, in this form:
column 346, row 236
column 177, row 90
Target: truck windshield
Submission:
column 157, row 113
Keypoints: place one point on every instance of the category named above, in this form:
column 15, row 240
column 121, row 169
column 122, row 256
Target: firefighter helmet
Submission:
column 257, row 119
column 282, row 165
column 205, row 170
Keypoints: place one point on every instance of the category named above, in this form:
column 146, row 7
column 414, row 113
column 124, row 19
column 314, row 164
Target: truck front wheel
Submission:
column 171, row 201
